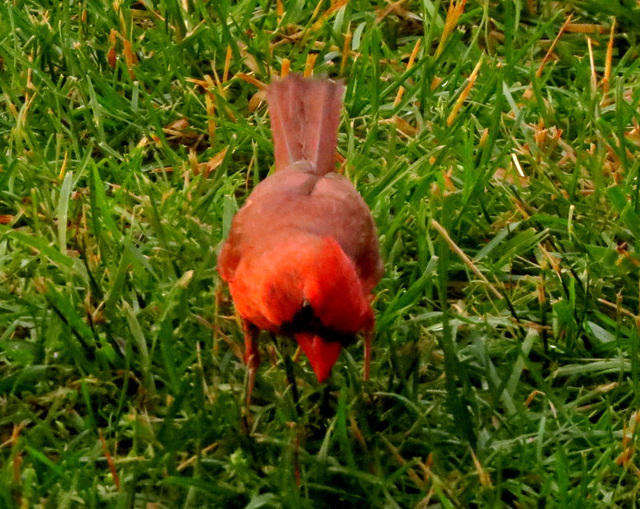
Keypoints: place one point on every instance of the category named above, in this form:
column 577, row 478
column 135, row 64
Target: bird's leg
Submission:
column 288, row 365
column 368, row 337
column 251, row 356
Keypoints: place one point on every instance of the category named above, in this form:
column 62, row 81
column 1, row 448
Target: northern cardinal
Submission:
column 302, row 254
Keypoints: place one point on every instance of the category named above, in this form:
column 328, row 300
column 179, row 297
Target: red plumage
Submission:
column 302, row 254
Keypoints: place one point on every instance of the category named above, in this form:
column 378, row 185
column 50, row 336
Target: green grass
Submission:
column 118, row 342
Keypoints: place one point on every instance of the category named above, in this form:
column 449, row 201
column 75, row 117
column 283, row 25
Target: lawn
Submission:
column 497, row 145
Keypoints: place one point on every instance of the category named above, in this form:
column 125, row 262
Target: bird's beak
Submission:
column 322, row 354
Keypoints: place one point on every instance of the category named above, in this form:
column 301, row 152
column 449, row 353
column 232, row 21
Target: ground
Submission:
column 496, row 144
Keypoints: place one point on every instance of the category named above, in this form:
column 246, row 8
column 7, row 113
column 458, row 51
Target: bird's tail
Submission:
column 305, row 113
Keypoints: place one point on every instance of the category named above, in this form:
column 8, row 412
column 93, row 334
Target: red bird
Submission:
column 302, row 254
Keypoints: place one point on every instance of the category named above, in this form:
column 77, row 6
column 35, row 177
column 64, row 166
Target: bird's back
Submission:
column 293, row 201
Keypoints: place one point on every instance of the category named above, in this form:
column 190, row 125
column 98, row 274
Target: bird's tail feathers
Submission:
column 305, row 113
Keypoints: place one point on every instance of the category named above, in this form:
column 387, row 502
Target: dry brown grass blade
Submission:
column 250, row 79
column 467, row 261
column 310, row 64
column 415, row 478
column 339, row 4
column 111, row 54
column 345, row 52
column 356, row 432
column 585, row 28
column 63, row 167
column 210, row 104
column 592, row 65
column 628, row 442
column 547, row 57
column 130, row 57
column 193, row 459
column 214, row 162
column 453, row 15
column 227, row 64
column 110, row 462
column 286, row 66
column 391, row 7
column 464, row 94
column 316, row 11
column 412, row 59
column 483, row 475
column 617, row 307
column 609, row 57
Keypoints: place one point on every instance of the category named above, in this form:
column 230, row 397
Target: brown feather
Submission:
column 305, row 114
